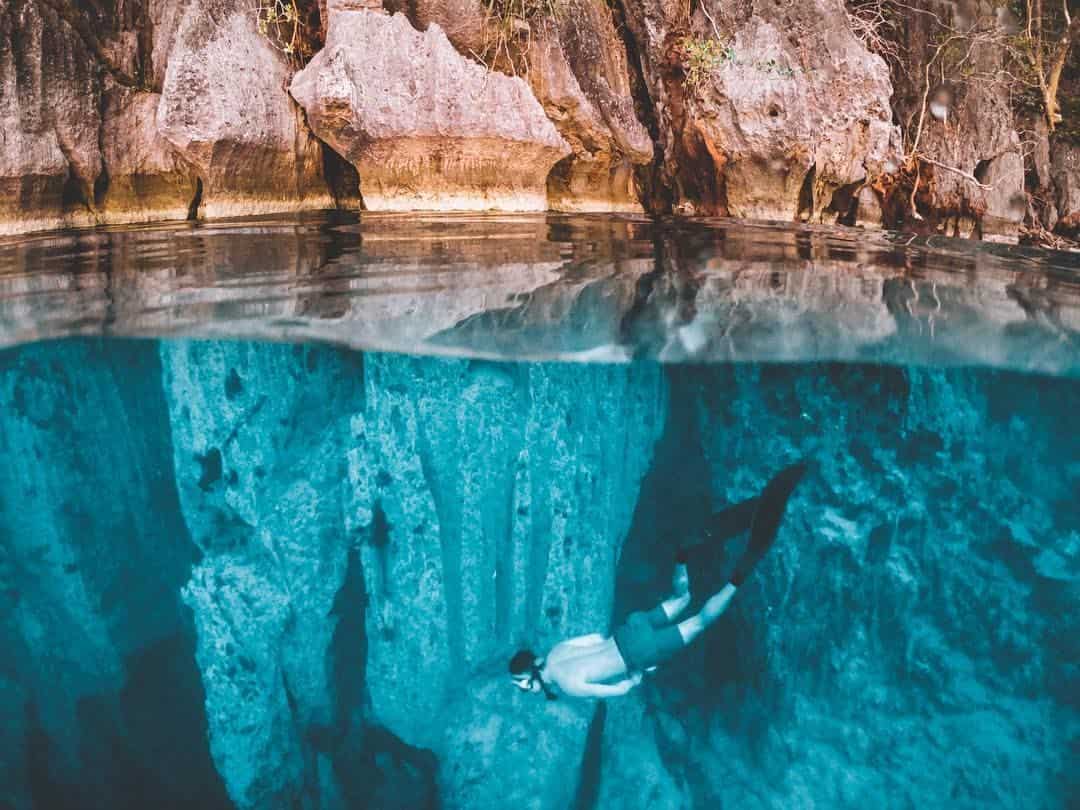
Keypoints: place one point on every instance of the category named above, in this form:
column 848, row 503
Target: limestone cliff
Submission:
column 156, row 109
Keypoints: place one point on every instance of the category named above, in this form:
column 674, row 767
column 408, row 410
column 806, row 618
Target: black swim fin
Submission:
column 704, row 559
column 766, row 523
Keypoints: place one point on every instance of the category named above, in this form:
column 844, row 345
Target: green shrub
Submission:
column 704, row 56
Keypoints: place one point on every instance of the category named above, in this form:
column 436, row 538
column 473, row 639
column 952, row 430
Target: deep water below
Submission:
column 255, row 575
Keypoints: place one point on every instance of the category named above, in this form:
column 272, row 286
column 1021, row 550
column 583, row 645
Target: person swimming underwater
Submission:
column 598, row 666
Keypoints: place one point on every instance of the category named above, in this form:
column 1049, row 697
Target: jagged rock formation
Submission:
column 788, row 106
column 158, row 109
column 425, row 128
column 1065, row 173
column 580, row 72
column 223, row 112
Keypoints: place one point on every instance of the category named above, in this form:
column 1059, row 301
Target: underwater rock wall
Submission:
column 485, row 505
column 92, row 556
column 273, row 575
column 914, row 633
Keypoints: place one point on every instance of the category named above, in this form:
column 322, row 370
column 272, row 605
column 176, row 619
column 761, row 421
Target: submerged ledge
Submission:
column 554, row 287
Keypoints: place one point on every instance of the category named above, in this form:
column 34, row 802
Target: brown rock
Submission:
column 49, row 121
column 224, row 111
column 786, row 108
column 1065, row 169
column 579, row 72
column 425, row 127
column 968, row 140
column 147, row 181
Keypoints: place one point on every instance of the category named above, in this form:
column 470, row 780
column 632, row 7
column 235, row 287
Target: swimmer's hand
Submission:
column 637, row 678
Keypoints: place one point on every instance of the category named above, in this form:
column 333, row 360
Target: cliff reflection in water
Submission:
column 253, row 574
column 555, row 287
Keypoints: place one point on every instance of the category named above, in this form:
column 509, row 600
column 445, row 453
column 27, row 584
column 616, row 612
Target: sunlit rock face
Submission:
column 785, row 106
column 288, row 575
column 426, row 128
column 49, row 155
column 223, row 111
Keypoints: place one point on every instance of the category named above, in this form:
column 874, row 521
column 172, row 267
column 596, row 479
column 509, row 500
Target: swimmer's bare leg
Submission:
column 691, row 628
column 680, row 593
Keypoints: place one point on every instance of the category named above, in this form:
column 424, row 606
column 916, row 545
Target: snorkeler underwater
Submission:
column 539, row 405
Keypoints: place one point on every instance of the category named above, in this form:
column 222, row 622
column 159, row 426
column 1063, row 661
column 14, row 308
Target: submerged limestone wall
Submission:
column 273, row 575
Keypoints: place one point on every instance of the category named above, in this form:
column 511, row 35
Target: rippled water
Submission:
column 243, row 568
column 556, row 287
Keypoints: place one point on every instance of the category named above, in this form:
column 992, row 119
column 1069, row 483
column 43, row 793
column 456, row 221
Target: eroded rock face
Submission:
column 146, row 180
column 223, row 110
column 577, row 65
column 786, row 108
column 971, row 180
column 49, row 117
column 425, row 127
column 578, row 68
column 265, row 507
column 1065, row 169
column 483, row 535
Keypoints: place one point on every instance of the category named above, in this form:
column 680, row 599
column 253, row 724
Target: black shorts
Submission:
column 647, row 639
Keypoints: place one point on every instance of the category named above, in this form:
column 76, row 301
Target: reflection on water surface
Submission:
column 555, row 287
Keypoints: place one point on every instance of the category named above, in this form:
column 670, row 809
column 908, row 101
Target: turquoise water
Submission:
column 240, row 573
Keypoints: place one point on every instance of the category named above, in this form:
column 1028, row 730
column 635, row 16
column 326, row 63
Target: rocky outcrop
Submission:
column 960, row 126
column 160, row 110
column 580, row 72
column 223, row 112
column 765, row 114
column 146, row 179
column 50, row 159
column 157, row 109
column 419, row 121
column 1065, row 172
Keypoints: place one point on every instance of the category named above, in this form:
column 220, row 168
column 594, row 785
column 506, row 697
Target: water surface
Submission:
column 276, row 551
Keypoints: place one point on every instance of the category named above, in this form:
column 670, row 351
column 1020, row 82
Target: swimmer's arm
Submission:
column 606, row 690
column 585, row 641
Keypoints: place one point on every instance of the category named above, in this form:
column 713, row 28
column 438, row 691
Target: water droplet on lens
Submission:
column 940, row 101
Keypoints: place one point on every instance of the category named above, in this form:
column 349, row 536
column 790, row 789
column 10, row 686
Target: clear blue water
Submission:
column 278, row 499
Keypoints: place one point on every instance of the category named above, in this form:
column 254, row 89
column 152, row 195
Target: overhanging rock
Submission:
column 426, row 128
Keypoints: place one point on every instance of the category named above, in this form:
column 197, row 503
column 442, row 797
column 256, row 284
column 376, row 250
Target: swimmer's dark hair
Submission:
column 522, row 662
